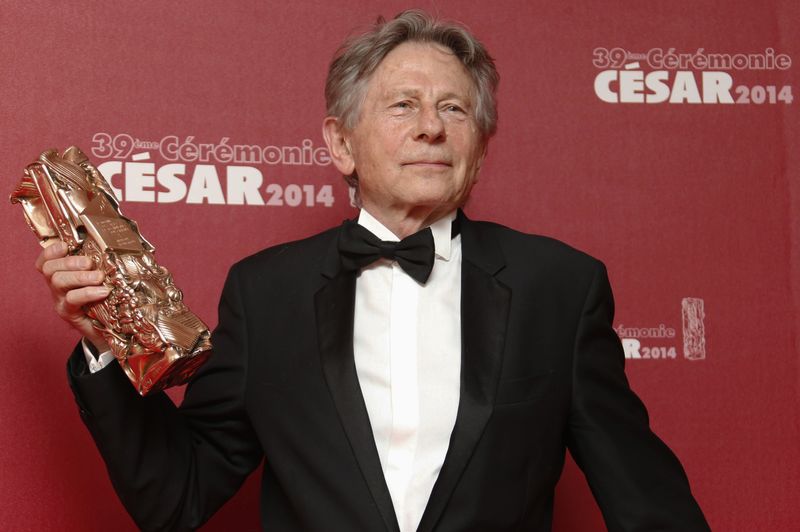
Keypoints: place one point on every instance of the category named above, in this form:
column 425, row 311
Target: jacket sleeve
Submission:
column 173, row 467
column 637, row 481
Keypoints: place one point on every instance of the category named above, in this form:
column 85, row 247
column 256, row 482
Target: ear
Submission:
column 338, row 145
column 484, row 151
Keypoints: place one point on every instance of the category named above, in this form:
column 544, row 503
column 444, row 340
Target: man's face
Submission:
column 416, row 144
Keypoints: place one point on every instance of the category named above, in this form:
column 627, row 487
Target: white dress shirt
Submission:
column 407, row 346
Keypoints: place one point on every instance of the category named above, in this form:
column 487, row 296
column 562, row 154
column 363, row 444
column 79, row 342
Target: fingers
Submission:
column 75, row 299
column 72, row 290
column 74, row 283
column 70, row 263
column 66, row 280
column 72, row 279
column 53, row 251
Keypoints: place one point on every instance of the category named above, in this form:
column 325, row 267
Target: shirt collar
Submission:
column 441, row 230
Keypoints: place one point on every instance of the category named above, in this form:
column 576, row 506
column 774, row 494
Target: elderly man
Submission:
column 411, row 370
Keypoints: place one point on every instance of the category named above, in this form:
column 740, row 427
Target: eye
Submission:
column 453, row 108
column 405, row 104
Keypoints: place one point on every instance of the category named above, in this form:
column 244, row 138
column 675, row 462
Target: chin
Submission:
column 428, row 200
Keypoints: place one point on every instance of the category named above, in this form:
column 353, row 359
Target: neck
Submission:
column 406, row 222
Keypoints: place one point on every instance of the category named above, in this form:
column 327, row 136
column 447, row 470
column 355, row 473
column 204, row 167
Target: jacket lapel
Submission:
column 335, row 306
column 484, row 315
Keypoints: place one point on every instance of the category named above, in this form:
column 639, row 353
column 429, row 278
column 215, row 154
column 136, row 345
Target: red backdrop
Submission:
column 689, row 201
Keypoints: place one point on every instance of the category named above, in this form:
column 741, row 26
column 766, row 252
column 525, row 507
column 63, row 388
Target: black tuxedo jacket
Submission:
column 541, row 371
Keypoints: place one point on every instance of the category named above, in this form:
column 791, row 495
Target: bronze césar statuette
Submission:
column 157, row 340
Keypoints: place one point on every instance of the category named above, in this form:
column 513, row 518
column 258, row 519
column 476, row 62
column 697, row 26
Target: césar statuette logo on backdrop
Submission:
column 659, row 343
column 157, row 340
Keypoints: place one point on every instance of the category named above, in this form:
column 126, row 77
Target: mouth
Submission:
column 428, row 164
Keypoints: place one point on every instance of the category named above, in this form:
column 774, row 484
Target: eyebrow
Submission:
column 409, row 92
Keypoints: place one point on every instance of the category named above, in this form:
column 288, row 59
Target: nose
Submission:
column 430, row 126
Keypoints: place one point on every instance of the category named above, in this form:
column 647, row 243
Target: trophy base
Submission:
column 164, row 373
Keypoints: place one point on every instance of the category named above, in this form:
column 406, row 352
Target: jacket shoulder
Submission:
column 294, row 256
column 526, row 249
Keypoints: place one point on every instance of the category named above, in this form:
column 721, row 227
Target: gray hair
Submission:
column 358, row 57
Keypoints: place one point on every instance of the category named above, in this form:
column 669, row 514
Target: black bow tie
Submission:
column 358, row 248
